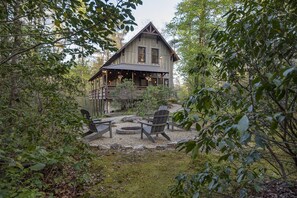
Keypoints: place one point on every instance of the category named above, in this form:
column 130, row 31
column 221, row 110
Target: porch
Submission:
column 105, row 81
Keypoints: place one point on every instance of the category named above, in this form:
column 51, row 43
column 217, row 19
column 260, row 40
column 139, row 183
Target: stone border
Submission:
column 128, row 130
column 119, row 147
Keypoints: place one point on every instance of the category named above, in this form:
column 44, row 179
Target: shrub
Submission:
column 124, row 94
column 152, row 98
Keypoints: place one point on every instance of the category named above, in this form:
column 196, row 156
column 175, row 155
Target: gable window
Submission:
column 141, row 54
column 155, row 56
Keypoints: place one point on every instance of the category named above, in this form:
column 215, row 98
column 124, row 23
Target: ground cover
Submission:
column 152, row 173
column 137, row 173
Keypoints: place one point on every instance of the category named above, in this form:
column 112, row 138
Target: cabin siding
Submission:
column 130, row 54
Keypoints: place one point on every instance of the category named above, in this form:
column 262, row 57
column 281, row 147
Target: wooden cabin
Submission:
column 147, row 59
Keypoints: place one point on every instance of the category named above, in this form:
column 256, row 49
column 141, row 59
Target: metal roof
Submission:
column 138, row 67
column 131, row 67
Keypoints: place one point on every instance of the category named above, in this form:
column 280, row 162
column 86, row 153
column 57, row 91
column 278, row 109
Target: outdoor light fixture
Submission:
column 148, row 78
column 120, row 76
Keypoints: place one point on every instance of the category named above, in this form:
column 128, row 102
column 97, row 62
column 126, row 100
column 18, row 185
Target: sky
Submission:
column 159, row 12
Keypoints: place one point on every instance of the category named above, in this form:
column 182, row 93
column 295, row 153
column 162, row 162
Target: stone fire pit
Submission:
column 129, row 130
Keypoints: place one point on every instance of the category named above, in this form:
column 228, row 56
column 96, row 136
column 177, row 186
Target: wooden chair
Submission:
column 163, row 107
column 96, row 127
column 86, row 114
column 150, row 116
column 157, row 126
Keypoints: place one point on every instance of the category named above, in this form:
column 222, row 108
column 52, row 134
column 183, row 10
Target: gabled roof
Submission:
column 148, row 29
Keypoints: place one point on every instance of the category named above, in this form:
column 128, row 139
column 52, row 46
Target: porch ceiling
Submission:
column 138, row 67
column 131, row 67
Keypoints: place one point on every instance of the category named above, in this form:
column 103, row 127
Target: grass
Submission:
column 147, row 173
column 139, row 174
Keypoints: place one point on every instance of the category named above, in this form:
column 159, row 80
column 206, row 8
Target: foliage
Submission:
column 81, row 73
column 191, row 28
column 152, row 98
column 40, row 154
column 251, row 118
column 125, row 94
column 38, row 132
column 84, row 24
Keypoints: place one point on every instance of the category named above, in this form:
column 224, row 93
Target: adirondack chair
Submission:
column 163, row 107
column 150, row 116
column 96, row 127
column 157, row 126
column 86, row 114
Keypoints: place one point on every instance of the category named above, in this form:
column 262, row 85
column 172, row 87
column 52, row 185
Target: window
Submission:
column 155, row 56
column 143, row 82
column 141, row 54
column 155, row 81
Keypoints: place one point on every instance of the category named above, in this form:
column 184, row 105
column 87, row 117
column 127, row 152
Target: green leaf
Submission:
column 224, row 157
column 19, row 165
column 196, row 195
column 57, row 23
column 259, row 141
column 288, row 71
column 259, row 93
column 37, row 167
column 198, row 127
column 250, row 109
column 190, row 145
column 243, row 124
column 243, row 193
column 133, row 6
column 127, row 28
column 240, row 178
column 195, row 151
column 245, row 136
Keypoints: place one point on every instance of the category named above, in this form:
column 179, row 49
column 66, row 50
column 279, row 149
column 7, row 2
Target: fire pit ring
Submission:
column 128, row 130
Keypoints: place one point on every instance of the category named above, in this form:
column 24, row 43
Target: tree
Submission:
column 250, row 121
column 39, row 121
column 191, row 28
column 152, row 98
column 125, row 94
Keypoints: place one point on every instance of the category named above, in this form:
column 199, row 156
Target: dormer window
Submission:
column 141, row 54
column 155, row 56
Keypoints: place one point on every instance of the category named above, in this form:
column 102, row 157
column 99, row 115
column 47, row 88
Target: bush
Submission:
column 250, row 121
column 153, row 97
column 124, row 94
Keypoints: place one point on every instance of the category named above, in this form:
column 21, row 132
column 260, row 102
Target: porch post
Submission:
column 93, row 96
column 95, row 99
column 107, row 78
column 105, row 91
column 98, row 96
column 99, row 100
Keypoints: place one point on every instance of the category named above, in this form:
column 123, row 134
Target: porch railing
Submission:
column 106, row 92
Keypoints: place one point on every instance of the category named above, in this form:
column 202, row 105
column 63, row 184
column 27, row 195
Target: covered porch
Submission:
column 108, row 77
